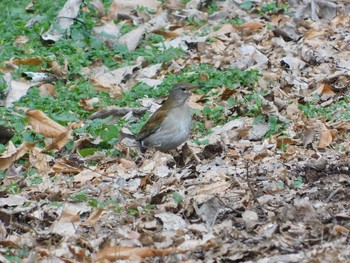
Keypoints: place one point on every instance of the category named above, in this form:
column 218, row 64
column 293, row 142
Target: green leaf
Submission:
column 298, row 182
column 280, row 184
column 177, row 197
column 79, row 197
column 201, row 142
column 87, row 151
column 246, row 5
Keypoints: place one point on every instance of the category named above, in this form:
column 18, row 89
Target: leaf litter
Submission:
column 250, row 197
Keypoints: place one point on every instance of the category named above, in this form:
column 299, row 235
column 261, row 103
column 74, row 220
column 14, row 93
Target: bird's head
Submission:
column 181, row 92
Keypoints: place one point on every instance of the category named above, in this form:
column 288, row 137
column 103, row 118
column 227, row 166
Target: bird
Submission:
column 170, row 125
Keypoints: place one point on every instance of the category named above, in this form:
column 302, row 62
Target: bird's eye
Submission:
column 183, row 88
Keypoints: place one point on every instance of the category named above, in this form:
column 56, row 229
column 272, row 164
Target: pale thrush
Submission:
column 170, row 125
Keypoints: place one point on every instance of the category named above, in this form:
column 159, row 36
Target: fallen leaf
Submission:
column 171, row 221
column 252, row 25
column 47, row 89
column 59, row 142
column 133, row 253
column 42, row 124
column 64, row 20
column 16, row 89
column 108, row 32
column 40, row 160
column 127, row 6
column 93, row 218
column 325, row 137
column 27, row 61
column 13, row 154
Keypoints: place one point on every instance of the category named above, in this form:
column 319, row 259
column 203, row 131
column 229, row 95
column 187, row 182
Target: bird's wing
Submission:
column 152, row 125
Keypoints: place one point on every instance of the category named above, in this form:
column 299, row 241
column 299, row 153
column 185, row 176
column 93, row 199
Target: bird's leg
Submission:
column 187, row 151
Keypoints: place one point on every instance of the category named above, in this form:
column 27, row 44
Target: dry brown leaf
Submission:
column 171, row 221
column 193, row 102
column 27, row 61
column 126, row 6
column 283, row 141
column 59, row 142
column 93, row 218
column 313, row 34
column 252, row 25
column 69, row 215
column 58, row 70
column 325, row 91
column 225, row 29
column 42, row 124
column 88, row 104
column 325, row 137
column 63, row 22
column 13, row 154
column 21, row 41
column 209, row 189
column 133, row 253
column 108, row 32
column 65, row 167
column 47, row 89
column 110, row 81
column 132, row 38
column 340, row 230
column 12, row 200
column 86, row 175
column 29, row 6
column 16, row 89
column 69, row 220
column 40, row 161
column 167, row 34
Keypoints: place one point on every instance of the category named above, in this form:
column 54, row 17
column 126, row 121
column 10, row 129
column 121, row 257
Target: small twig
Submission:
column 253, row 193
column 332, row 194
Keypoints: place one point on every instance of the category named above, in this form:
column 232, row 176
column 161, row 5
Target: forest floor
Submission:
column 270, row 129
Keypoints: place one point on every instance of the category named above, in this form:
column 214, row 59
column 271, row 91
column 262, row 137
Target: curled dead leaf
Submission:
column 16, row 89
column 47, row 89
column 252, row 25
column 60, row 141
column 21, row 41
column 42, row 124
column 340, row 230
column 27, row 61
column 66, row 167
column 12, row 154
column 93, row 218
column 40, row 161
column 64, row 20
column 326, row 137
column 133, row 253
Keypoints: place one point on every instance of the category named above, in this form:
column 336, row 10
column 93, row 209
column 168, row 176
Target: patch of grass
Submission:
column 216, row 113
column 273, row 8
column 235, row 21
column 94, row 202
column 80, row 49
column 12, row 188
column 79, row 197
column 275, row 126
column 16, row 254
column 212, row 8
column 198, row 128
column 340, row 109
